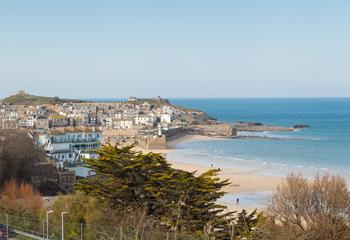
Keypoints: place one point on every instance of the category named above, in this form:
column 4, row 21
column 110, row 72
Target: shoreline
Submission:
column 242, row 182
column 190, row 138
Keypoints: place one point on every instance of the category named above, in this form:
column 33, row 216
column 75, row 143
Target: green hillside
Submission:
column 33, row 100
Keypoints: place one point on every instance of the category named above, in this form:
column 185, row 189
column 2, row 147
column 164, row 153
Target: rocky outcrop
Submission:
column 301, row 126
column 259, row 127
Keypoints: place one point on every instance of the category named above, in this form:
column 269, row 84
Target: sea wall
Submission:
column 173, row 133
column 152, row 142
column 214, row 130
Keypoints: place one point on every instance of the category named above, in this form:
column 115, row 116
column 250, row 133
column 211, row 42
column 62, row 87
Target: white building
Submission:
column 67, row 144
column 31, row 113
column 109, row 122
column 166, row 118
column 144, row 120
column 125, row 124
column 22, row 123
column 130, row 113
column 89, row 155
column 30, row 122
column 13, row 115
column 26, row 122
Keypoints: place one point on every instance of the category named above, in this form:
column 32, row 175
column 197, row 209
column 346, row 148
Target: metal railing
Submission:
column 36, row 228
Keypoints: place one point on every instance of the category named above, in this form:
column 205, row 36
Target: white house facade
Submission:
column 166, row 118
column 67, row 144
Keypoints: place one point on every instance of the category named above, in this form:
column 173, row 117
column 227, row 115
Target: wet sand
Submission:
column 241, row 181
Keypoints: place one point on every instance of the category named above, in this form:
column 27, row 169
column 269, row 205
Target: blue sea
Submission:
column 322, row 148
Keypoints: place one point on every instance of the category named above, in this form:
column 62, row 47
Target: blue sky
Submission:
column 175, row 48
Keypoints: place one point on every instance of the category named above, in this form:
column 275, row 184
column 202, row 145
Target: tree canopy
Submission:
column 179, row 199
column 308, row 209
column 20, row 197
column 18, row 156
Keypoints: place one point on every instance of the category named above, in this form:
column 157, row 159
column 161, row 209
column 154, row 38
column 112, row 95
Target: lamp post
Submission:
column 62, row 220
column 47, row 223
column 7, row 226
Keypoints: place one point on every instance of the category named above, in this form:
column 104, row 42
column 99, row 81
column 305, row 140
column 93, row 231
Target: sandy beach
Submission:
column 241, row 181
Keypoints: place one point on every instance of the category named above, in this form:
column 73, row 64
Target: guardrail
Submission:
column 26, row 234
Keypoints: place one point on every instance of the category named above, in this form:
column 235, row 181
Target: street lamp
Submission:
column 62, row 215
column 47, row 223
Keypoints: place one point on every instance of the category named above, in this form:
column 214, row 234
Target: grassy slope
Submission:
column 34, row 100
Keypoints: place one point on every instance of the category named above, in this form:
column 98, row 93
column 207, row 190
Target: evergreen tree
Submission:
column 179, row 199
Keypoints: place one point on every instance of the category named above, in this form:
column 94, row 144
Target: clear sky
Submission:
column 180, row 48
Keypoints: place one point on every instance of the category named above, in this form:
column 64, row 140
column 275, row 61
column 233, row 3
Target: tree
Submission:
column 49, row 188
column 303, row 209
column 21, row 197
column 18, row 156
column 128, row 179
column 98, row 221
column 81, row 209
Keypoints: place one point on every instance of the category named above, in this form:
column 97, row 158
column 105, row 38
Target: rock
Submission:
column 300, row 126
column 250, row 123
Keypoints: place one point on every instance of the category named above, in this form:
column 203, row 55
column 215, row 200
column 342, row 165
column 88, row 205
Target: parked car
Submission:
column 3, row 231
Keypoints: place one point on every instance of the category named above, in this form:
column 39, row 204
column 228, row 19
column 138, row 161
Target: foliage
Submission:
column 98, row 221
column 19, row 198
column 35, row 100
column 49, row 188
column 14, row 163
column 237, row 225
column 81, row 209
column 303, row 209
column 178, row 199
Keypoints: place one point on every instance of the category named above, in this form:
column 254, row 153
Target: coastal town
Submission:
column 67, row 131
column 174, row 120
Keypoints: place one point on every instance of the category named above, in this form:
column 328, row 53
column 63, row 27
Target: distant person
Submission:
column 237, row 201
column 211, row 165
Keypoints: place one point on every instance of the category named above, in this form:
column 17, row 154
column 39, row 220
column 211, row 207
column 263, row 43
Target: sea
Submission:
column 323, row 148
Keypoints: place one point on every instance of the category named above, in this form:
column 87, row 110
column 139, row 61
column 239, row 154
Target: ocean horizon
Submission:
column 322, row 148
column 175, row 99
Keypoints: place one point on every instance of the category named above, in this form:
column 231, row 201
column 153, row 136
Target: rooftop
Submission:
column 60, row 131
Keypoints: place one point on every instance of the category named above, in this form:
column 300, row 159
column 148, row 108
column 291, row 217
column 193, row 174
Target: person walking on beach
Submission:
column 237, row 201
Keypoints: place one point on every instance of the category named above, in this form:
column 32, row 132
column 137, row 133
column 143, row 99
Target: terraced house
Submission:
column 67, row 144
